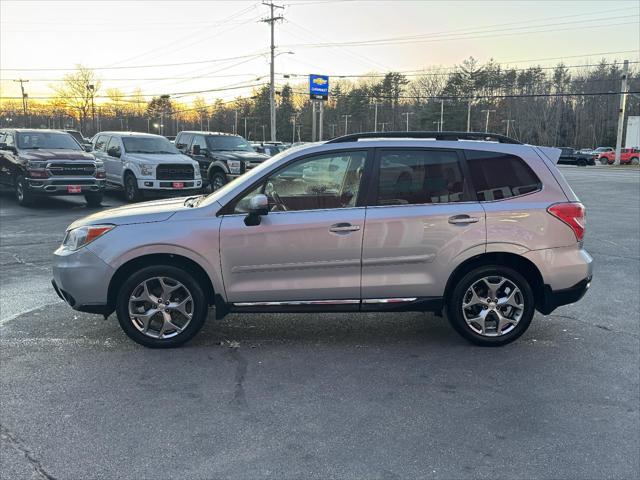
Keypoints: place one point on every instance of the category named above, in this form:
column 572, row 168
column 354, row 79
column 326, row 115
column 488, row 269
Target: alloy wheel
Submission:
column 492, row 306
column 161, row 307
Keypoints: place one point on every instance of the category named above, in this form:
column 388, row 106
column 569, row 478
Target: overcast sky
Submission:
column 323, row 36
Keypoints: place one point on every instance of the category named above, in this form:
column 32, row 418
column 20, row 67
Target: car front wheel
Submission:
column 161, row 306
column 131, row 192
column 217, row 181
column 491, row 306
column 23, row 194
column 634, row 161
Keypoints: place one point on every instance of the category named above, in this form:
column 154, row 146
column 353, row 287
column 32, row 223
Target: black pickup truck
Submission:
column 569, row 156
column 39, row 163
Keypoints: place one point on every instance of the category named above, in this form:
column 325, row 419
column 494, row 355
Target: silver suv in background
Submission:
column 477, row 226
column 144, row 163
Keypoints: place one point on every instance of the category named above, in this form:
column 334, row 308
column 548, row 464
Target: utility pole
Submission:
column 441, row 115
column 163, row 112
column 486, row 125
column 437, row 123
column 293, row 129
column 346, row 123
column 407, row 115
column 624, row 88
column 92, row 89
column 235, row 123
column 321, row 121
column 384, row 124
column 508, row 122
column 245, row 126
column 333, row 129
column 313, row 120
column 272, row 88
column 469, row 116
column 263, row 139
column 24, row 99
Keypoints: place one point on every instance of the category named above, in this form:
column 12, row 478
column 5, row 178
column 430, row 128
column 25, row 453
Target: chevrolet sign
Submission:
column 318, row 87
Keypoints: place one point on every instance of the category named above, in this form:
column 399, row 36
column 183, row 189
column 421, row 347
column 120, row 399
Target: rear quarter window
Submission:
column 497, row 176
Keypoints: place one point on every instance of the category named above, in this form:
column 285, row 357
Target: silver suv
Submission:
column 478, row 226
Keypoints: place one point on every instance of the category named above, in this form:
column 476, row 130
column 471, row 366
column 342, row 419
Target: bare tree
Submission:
column 78, row 91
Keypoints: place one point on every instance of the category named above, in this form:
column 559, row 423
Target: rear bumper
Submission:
column 556, row 298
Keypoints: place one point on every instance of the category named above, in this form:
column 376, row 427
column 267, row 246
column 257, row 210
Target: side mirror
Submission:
column 258, row 206
column 11, row 148
column 195, row 150
column 88, row 147
column 113, row 152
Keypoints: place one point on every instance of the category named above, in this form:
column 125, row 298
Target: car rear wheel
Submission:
column 93, row 199
column 23, row 194
column 161, row 306
column 491, row 306
column 634, row 161
column 604, row 161
column 582, row 162
column 131, row 192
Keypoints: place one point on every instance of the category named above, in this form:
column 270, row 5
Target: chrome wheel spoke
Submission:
column 145, row 295
column 511, row 299
column 474, row 299
column 492, row 288
column 503, row 322
column 182, row 307
column 145, row 318
column 168, row 289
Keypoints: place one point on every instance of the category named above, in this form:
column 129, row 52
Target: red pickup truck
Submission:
column 627, row 156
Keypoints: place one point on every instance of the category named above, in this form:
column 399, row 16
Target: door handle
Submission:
column 343, row 228
column 463, row 219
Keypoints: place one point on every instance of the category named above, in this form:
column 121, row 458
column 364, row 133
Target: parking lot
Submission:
column 385, row 395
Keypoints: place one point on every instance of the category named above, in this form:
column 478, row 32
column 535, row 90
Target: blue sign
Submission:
column 319, row 87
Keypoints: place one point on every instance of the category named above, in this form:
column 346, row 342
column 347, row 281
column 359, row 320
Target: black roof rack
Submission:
column 482, row 136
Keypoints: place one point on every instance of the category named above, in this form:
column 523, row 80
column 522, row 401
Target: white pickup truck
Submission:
column 144, row 163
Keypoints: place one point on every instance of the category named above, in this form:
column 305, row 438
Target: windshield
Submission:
column 228, row 143
column 47, row 140
column 148, row 145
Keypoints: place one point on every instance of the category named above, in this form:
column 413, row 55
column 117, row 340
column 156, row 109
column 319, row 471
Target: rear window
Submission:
column 411, row 177
column 497, row 176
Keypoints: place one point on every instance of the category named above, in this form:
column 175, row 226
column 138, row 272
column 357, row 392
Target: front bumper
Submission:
column 153, row 184
column 81, row 279
column 60, row 186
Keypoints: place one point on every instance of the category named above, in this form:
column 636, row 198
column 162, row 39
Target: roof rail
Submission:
column 454, row 136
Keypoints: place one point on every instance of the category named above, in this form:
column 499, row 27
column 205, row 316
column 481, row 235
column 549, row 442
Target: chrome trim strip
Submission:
column 389, row 300
column 296, row 302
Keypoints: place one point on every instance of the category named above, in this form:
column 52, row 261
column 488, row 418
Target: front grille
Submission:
column 72, row 169
column 74, row 182
column 170, row 184
column 169, row 171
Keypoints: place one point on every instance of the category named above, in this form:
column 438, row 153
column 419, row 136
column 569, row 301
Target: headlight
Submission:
column 36, row 165
column 234, row 166
column 146, row 169
column 81, row 236
column 99, row 164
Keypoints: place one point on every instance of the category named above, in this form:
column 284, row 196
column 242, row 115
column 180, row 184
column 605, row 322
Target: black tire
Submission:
column 131, row 192
column 634, row 161
column 217, row 180
column 93, row 200
column 582, row 163
column 24, row 196
column 604, row 161
column 456, row 298
column 199, row 310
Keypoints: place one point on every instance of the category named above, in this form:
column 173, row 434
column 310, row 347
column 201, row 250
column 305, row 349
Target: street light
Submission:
column 92, row 88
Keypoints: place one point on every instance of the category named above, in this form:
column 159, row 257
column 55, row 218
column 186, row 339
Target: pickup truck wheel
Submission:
column 23, row 194
column 491, row 306
column 582, row 162
column 161, row 306
column 217, row 181
column 93, row 199
column 634, row 161
column 131, row 192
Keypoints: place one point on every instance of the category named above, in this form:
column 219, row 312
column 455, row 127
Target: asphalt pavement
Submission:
column 366, row 396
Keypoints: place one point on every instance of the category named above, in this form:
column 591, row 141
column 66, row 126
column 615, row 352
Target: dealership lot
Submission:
column 320, row 396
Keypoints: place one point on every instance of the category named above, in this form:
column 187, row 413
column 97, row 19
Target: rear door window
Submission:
column 100, row 144
column 114, row 149
column 409, row 177
column 496, row 175
column 183, row 141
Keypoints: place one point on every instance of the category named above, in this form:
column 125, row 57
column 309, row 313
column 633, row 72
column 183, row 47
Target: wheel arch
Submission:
column 517, row 262
column 216, row 166
column 176, row 260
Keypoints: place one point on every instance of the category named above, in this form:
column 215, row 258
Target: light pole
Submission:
column 486, row 124
column 346, row 123
column 437, row 123
column 375, row 116
column 333, row 129
column 162, row 112
column 441, row 115
column 92, row 89
column 407, row 115
column 508, row 122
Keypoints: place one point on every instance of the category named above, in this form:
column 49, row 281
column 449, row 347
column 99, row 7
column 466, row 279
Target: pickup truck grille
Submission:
column 170, row 171
column 72, row 169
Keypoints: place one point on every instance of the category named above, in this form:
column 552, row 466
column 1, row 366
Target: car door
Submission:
column 199, row 154
column 8, row 159
column 113, row 160
column 421, row 220
column 308, row 247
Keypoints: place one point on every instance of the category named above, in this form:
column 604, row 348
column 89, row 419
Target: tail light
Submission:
column 573, row 214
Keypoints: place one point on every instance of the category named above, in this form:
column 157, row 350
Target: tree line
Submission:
column 559, row 106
